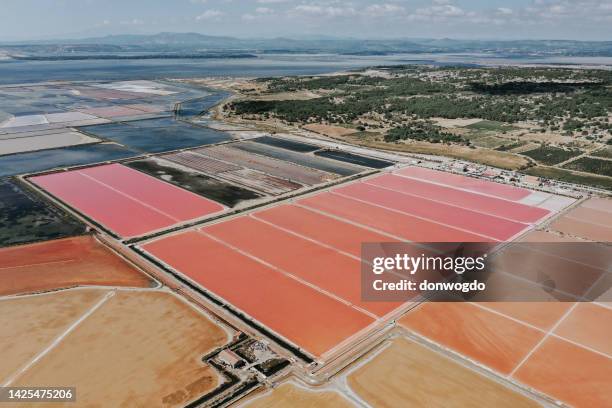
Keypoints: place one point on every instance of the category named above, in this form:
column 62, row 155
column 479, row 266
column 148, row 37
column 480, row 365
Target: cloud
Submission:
column 387, row 9
column 264, row 10
column 260, row 13
column 566, row 11
column 324, row 11
column 553, row 16
column 438, row 13
column 210, row 15
column 134, row 21
column 504, row 11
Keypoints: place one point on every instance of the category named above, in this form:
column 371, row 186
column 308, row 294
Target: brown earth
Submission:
column 489, row 157
column 407, row 374
column 329, row 130
column 290, row 395
column 140, row 348
column 29, row 324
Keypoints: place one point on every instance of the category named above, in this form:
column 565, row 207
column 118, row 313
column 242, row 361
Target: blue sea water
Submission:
column 13, row 72
column 16, row 72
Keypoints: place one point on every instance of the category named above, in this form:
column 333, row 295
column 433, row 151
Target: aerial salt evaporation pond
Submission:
column 316, row 239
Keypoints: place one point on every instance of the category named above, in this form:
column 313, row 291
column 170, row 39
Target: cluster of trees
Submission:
column 551, row 155
column 591, row 165
column 574, row 98
column 454, row 106
column 530, row 87
column 422, row 131
column 338, row 82
column 313, row 110
column 401, row 86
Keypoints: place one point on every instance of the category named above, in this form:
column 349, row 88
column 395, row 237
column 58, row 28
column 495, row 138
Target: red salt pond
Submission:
column 340, row 235
column 459, row 198
column 124, row 200
column 391, row 222
column 465, row 219
column 466, row 183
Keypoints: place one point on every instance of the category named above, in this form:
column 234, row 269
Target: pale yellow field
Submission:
column 484, row 156
column 287, row 96
column 454, row 123
column 29, row 324
column 407, row 374
column 328, row 130
column 290, row 395
column 138, row 349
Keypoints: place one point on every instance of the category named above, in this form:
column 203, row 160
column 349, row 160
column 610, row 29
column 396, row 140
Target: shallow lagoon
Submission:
column 55, row 158
column 157, row 135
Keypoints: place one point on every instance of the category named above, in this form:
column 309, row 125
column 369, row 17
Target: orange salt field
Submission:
column 561, row 350
column 309, row 249
column 307, row 253
column 569, row 372
column 321, row 228
column 585, row 252
column 579, row 228
column 134, row 349
column 299, row 313
column 481, row 335
column 323, row 267
column 589, row 324
column 65, row 263
column 528, row 264
column 591, row 220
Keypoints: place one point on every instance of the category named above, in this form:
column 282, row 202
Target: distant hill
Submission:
column 200, row 43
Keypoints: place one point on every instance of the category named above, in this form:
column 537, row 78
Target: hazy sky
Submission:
column 487, row 19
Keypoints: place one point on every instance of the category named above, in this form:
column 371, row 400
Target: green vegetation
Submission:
column 605, row 152
column 491, row 126
column 401, row 86
column 491, row 142
column 591, row 165
column 551, row 155
column 402, row 102
column 575, row 100
column 422, row 131
column 366, row 135
column 571, row 177
column 510, row 146
column 529, row 87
